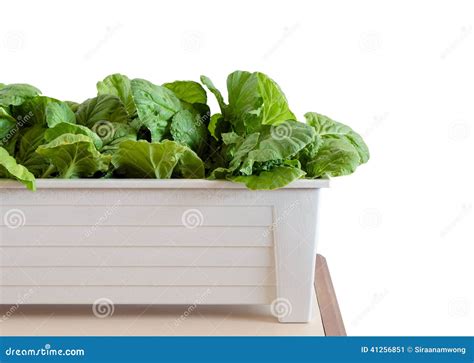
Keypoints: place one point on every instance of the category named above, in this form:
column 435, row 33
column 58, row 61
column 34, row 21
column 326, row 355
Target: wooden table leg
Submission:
column 328, row 306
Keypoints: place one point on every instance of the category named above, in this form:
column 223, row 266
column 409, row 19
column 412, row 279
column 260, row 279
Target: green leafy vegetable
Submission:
column 141, row 159
column 16, row 94
column 74, row 156
column 188, row 129
column 268, row 180
column 136, row 129
column 336, row 151
column 59, row 112
column 10, row 169
column 255, row 100
column 27, row 155
column 7, row 126
column 335, row 157
column 156, row 105
column 101, row 108
column 210, row 86
column 188, row 91
column 67, row 128
column 120, row 86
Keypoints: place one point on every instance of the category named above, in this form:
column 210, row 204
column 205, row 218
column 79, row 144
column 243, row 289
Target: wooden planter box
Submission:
column 159, row 242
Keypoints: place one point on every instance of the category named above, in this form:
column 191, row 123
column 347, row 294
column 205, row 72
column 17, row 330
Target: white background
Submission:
column 398, row 234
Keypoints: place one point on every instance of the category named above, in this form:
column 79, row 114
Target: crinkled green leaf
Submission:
column 268, row 180
column 190, row 166
column 74, row 156
column 32, row 111
column 156, row 105
column 8, row 127
column 101, row 108
column 16, row 94
column 335, row 157
column 220, row 173
column 255, row 100
column 73, row 106
column 274, row 109
column 231, row 138
column 141, row 159
column 327, row 128
column 10, row 169
column 244, row 100
column 188, row 91
column 112, row 138
column 235, row 150
column 188, row 129
column 68, row 128
column 210, row 86
column 215, row 126
column 242, row 149
column 27, row 156
column 58, row 112
column 120, row 86
column 280, row 142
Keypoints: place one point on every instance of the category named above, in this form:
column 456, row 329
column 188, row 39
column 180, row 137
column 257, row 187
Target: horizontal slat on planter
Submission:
column 121, row 215
column 134, row 236
column 137, row 295
column 137, row 276
column 136, row 256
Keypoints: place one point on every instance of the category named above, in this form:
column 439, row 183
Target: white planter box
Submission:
column 159, row 242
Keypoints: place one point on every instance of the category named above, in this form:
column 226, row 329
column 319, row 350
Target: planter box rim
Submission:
column 152, row 184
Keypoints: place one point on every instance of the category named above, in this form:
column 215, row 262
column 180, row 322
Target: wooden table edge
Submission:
column 328, row 306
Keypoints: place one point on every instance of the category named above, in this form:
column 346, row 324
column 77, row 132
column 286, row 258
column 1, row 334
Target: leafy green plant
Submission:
column 137, row 129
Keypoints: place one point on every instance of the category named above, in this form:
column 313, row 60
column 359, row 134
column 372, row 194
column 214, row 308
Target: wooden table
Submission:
column 327, row 301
